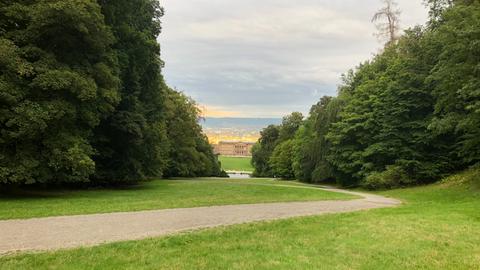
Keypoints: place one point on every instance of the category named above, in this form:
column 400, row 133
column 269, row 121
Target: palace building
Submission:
column 232, row 148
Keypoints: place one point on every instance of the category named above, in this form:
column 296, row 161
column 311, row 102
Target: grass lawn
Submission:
column 236, row 163
column 438, row 227
column 159, row 194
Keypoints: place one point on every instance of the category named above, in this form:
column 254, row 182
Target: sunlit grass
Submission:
column 159, row 194
column 236, row 163
column 437, row 228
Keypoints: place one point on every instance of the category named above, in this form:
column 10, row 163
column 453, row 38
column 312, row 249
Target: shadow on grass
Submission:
column 58, row 191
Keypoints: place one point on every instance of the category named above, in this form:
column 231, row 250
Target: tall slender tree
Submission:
column 387, row 21
column 263, row 149
column 132, row 143
column 455, row 79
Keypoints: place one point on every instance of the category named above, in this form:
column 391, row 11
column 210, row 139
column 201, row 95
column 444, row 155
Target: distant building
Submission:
column 240, row 149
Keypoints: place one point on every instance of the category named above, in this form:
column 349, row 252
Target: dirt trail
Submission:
column 51, row 233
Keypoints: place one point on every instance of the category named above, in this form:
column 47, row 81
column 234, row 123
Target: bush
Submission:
column 393, row 177
column 322, row 172
column 470, row 177
column 281, row 161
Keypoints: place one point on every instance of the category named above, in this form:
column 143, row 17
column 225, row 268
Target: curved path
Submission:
column 52, row 233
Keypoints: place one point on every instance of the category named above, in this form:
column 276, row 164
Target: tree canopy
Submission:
column 408, row 116
column 270, row 138
column 82, row 97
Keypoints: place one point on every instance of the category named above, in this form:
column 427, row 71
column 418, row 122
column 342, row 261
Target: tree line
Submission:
column 82, row 97
column 408, row 116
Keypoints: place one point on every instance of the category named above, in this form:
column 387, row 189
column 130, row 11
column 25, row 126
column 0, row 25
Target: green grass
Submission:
column 236, row 163
column 438, row 227
column 158, row 194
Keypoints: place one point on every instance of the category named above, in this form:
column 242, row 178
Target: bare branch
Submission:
column 387, row 21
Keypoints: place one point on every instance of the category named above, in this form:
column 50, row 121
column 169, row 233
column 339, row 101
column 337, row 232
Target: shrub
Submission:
column 393, row 177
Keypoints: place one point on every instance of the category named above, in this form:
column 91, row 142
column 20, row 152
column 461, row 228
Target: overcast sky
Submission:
column 267, row 58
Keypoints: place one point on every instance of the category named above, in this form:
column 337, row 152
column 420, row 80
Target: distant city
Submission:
column 236, row 129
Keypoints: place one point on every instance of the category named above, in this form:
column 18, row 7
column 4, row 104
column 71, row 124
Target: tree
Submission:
column 58, row 81
column 408, row 116
column 455, row 80
column 356, row 126
column 132, row 143
column 263, row 149
column 290, row 124
column 388, row 29
column 190, row 153
column 437, row 7
column 272, row 137
column 385, row 122
column 282, row 159
column 312, row 146
column 82, row 98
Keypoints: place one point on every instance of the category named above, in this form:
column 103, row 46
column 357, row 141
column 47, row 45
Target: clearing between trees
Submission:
column 75, row 231
column 238, row 164
column 436, row 227
column 159, row 194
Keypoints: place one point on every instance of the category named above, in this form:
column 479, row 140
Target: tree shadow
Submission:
column 61, row 191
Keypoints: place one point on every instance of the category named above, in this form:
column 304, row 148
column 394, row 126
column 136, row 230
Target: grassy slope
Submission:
column 158, row 194
column 437, row 228
column 236, row 163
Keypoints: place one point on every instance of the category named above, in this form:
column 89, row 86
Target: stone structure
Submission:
column 239, row 149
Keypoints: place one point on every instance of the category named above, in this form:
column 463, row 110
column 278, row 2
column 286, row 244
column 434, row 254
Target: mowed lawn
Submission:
column 159, row 194
column 437, row 228
column 236, row 163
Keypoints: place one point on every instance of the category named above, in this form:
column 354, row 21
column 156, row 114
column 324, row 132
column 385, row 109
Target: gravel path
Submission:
column 40, row 234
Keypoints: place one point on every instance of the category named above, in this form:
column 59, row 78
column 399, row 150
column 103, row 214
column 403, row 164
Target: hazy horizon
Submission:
column 236, row 128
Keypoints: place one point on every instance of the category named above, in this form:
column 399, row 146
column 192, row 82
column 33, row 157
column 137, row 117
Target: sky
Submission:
column 268, row 58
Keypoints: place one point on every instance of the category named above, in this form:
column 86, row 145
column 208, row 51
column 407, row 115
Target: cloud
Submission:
column 270, row 57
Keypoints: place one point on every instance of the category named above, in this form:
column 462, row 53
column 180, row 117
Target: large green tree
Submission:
column 263, row 149
column 312, row 147
column 58, row 80
column 281, row 160
column 455, row 79
column 290, row 124
column 411, row 114
column 270, row 138
column 384, row 124
column 132, row 143
column 190, row 153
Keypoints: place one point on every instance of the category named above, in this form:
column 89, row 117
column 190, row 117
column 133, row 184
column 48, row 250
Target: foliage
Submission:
column 82, row 98
column 190, row 153
column 393, row 176
column 58, row 81
column 290, row 124
column 455, row 80
column 385, row 120
column 469, row 178
column 311, row 144
column 131, row 143
column 281, row 160
column 263, row 149
column 408, row 116
column 270, row 138
column 436, row 8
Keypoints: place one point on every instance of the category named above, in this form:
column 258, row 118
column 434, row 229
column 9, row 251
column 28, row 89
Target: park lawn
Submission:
column 158, row 194
column 241, row 164
column 437, row 227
